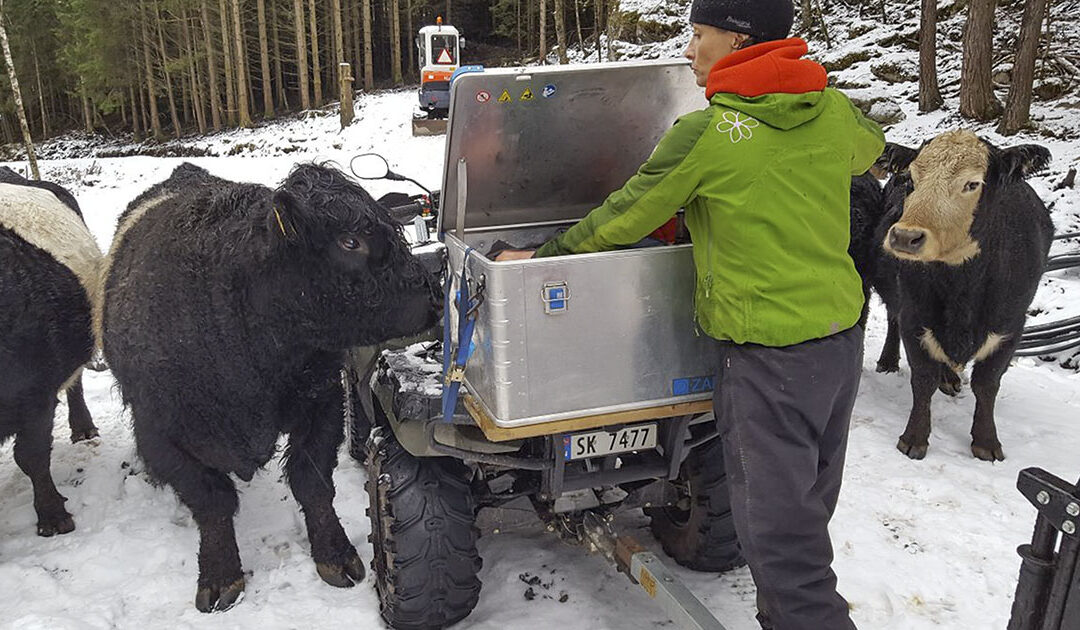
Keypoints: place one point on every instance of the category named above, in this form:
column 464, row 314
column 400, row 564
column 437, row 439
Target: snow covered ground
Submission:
column 919, row 545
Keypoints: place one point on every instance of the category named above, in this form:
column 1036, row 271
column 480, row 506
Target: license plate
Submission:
column 596, row 443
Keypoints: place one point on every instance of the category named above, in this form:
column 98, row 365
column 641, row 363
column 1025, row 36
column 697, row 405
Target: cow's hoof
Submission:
column 994, row 454
column 914, row 452
column 950, row 384
column 216, row 599
column 52, row 526
column 82, row 436
column 342, row 575
column 887, row 368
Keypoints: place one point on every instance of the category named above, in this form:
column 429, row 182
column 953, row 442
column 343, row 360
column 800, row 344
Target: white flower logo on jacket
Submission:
column 736, row 126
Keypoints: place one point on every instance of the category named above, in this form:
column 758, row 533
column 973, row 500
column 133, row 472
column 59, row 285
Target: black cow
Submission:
column 964, row 241
column 228, row 309
column 79, row 419
column 49, row 265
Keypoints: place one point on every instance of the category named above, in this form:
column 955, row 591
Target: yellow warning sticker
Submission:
column 648, row 582
column 505, row 97
column 527, row 95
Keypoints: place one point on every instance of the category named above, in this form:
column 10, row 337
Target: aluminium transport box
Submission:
column 530, row 151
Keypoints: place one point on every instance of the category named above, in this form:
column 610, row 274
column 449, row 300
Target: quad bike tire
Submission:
column 700, row 534
column 424, row 536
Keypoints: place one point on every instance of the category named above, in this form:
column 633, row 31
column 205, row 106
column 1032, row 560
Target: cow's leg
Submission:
column 925, row 378
column 82, row 425
column 33, row 450
column 889, row 361
column 985, row 381
column 211, row 497
column 310, row 462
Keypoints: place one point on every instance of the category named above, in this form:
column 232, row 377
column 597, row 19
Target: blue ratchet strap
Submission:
column 454, row 358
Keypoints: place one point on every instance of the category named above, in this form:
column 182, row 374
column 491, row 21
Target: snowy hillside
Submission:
column 920, row 545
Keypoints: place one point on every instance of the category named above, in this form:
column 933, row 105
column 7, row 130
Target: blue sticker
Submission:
column 566, row 447
column 549, row 90
column 692, row 385
column 556, row 299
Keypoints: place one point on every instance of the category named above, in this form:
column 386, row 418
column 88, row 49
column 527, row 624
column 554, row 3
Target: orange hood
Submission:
column 767, row 68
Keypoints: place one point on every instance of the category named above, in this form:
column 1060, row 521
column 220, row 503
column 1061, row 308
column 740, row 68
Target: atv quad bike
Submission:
column 579, row 382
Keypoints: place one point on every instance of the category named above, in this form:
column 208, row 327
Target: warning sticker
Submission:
column 445, row 57
column 648, row 582
column 527, row 95
column 505, row 97
column 483, row 96
column 549, row 90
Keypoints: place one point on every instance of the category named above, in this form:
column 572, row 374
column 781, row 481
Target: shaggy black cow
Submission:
column 228, row 309
column 49, row 265
column 965, row 239
column 79, row 419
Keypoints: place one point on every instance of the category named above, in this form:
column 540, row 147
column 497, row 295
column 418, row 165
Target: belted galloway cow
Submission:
column 964, row 242
column 227, row 313
column 49, row 266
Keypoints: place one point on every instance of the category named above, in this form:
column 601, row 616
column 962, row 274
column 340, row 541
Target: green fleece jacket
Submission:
column 765, row 181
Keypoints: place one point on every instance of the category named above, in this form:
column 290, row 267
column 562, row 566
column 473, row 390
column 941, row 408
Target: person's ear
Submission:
column 740, row 39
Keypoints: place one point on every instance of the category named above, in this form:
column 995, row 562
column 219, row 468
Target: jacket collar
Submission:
column 766, row 68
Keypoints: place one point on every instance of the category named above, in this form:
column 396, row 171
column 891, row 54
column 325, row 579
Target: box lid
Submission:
column 541, row 145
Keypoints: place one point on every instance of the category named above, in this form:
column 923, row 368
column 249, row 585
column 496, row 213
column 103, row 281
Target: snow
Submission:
column 919, row 545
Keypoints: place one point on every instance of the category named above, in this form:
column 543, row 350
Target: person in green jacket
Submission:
column 764, row 174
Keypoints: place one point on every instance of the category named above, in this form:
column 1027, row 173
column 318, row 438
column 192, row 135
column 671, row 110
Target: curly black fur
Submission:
column 228, row 309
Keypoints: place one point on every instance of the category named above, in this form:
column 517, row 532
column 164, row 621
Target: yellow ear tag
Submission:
column 279, row 223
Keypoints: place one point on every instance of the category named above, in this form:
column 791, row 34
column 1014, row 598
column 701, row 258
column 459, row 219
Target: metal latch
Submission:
column 556, row 297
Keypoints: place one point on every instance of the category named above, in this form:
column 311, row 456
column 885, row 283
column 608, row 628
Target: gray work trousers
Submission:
column 783, row 414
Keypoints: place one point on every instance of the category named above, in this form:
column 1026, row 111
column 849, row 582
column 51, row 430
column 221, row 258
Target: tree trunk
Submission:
column 543, row 31
column 279, row 77
column 165, row 69
column 598, row 15
column 369, row 79
column 301, row 54
column 410, row 37
column 518, row 26
column 226, row 47
column 577, row 23
column 244, row 114
column 17, row 94
column 339, row 39
column 1018, row 104
column 264, row 62
column 193, row 74
column 136, row 128
column 929, row 93
column 315, row 73
column 88, row 122
column 211, row 65
column 41, row 97
column 395, row 42
column 346, row 88
column 560, row 30
column 976, row 89
column 143, row 113
column 806, row 16
column 151, row 90
column 358, row 39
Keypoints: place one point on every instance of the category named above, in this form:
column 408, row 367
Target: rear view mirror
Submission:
column 369, row 166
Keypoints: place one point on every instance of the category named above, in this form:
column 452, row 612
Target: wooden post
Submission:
column 30, row 157
column 345, row 72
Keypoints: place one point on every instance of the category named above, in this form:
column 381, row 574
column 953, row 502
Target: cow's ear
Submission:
column 1023, row 161
column 282, row 221
column 895, row 158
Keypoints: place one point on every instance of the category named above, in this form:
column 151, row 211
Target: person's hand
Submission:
column 514, row 254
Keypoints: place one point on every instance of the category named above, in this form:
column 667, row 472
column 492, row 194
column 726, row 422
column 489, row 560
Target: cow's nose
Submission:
column 907, row 241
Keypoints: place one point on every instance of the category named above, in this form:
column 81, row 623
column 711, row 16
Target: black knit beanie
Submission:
column 764, row 20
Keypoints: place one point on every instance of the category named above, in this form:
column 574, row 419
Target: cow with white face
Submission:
column 965, row 239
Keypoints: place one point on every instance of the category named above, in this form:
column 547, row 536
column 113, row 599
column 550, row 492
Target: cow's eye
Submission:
column 351, row 243
column 972, row 186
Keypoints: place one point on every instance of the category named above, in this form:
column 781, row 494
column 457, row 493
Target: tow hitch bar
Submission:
column 647, row 571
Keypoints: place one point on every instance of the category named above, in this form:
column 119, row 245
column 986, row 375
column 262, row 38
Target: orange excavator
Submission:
column 439, row 53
